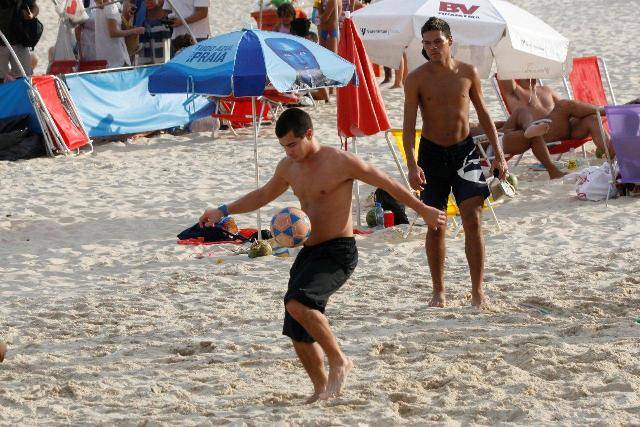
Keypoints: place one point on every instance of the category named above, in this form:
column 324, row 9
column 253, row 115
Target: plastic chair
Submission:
column 65, row 66
column 624, row 124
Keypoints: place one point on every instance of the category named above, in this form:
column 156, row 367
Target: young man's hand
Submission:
column 210, row 217
column 434, row 218
column 500, row 164
column 416, row 178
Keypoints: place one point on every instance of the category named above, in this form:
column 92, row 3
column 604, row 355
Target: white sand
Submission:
column 109, row 321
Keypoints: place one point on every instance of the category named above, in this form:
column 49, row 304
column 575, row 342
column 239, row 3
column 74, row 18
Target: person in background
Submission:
column 9, row 9
column 286, row 14
column 131, row 41
column 300, row 27
column 110, row 35
column 196, row 16
column 328, row 28
column 183, row 41
column 157, row 32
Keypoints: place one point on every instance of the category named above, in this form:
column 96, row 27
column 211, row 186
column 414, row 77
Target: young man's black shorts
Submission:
column 318, row 272
column 455, row 168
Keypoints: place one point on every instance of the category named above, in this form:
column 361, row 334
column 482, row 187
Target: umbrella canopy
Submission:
column 243, row 63
column 522, row 45
column 360, row 108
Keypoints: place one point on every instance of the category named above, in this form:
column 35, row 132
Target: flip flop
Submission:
column 537, row 128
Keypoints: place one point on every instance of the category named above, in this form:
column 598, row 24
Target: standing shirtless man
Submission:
column 322, row 179
column 448, row 158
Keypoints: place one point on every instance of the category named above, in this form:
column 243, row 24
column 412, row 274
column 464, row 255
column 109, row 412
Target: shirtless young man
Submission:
column 328, row 29
column 322, row 178
column 569, row 119
column 448, row 158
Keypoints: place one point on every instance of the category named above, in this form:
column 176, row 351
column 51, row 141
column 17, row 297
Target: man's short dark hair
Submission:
column 437, row 24
column 286, row 9
column 293, row 119
column 300, row 27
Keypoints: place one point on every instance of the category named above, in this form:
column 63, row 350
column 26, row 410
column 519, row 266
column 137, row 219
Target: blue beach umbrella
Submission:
column 243, row 63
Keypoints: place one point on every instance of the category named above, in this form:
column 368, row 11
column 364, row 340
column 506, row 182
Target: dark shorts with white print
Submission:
column 316, row 274
column 454, row 169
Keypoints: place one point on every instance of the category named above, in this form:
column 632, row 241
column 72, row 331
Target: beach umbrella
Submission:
column 522, row 45
column 360, row 108
column 243, row 63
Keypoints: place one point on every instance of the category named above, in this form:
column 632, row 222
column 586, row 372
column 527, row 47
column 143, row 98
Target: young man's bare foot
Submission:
column 385, row 81
column 478, row 300
column 397, row 86
column 438, row 300
column 3, row 350
column 337, row 377
column 537, row 128
column 314, row 397
column 556, row 174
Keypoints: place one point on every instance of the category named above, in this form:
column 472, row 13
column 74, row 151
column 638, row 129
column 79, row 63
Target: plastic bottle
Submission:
column 572, row 161
column 379, row 215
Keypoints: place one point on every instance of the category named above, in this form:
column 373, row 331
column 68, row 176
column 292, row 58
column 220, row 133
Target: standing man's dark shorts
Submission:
column 318, row 272
column 455, row 168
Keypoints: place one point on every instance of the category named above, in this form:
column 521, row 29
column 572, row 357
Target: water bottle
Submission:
column 379, row 215
column 572, row 161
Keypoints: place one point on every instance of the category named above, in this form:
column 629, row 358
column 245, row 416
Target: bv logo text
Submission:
column 452, row 9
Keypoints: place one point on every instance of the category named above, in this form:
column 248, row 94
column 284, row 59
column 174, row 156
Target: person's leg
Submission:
column 435, row 247
column 387, row 75
column 3, row 351
column 589, row 126
column 400, row 74
column 470, row 212
column 312, row 357
column 514, row 142
column 317, row 325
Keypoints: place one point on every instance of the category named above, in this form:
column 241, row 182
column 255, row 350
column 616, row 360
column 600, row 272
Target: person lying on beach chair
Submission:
column 569, row 119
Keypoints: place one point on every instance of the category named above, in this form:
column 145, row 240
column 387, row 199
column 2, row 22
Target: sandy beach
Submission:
column 109, row 321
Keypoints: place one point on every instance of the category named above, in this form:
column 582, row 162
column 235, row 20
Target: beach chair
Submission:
column 99, row 64
column 236, row 112
column 63, row 66
column 58, row 117
column 279, row 101
column 586, row 81
column 624, row 124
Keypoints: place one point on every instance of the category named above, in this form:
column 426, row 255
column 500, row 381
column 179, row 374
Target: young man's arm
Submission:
column 411, row 104
column 198, row 14
column 371, row 175
column 475, row 94
column 116, row 32
column 250, row 201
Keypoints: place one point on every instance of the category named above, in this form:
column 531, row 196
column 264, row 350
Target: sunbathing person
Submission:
column 570, row 119
column 519, row 134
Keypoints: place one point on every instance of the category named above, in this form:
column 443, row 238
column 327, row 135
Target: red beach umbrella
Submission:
column 361, row 110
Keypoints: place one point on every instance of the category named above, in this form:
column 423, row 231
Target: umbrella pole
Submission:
column 357, row 190
column 255, row 157
column 260, row 15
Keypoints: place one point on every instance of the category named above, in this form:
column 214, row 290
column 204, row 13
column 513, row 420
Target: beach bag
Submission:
column 594, row 183
column 390, row 204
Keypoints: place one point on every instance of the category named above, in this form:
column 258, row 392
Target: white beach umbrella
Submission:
column 522, row 45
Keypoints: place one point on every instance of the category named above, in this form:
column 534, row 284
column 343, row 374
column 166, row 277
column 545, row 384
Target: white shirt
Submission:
column 110, row 48
column 186, row 8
